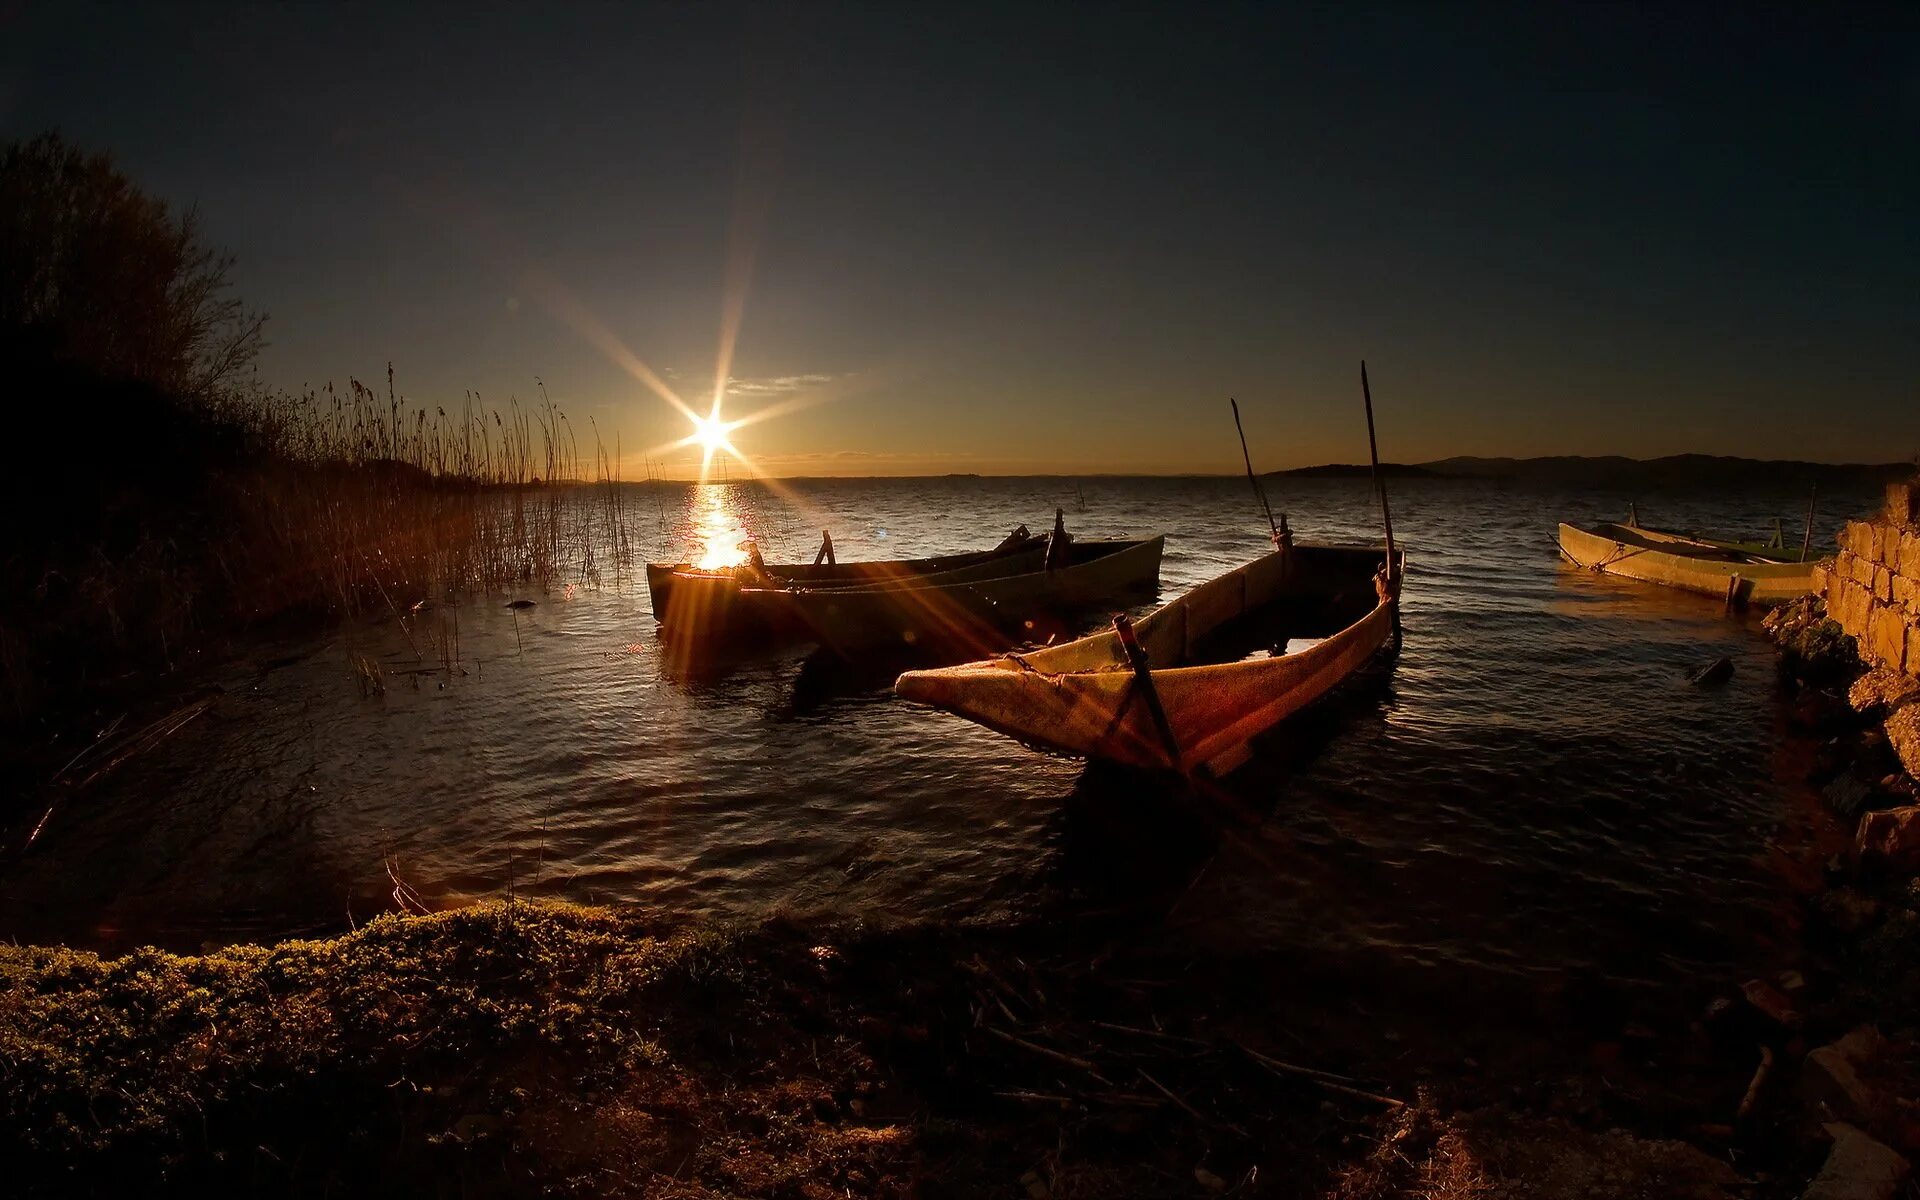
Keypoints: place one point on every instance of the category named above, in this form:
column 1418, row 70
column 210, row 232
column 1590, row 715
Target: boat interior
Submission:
column 1266, row 607
column 1026, row 561
column 1682, row 545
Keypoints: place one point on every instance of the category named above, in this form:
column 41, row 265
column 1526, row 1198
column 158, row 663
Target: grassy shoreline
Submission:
column 516, row 1048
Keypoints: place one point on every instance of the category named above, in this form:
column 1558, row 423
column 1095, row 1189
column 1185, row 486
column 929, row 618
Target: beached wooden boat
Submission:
column 703, row 600
column 1088, row 698
column 1725, row 570
column 975, row 612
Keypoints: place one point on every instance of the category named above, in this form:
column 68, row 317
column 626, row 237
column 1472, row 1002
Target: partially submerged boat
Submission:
column 1174, row 690
column 1735, row 572
column 705, row 601
column 972, row 611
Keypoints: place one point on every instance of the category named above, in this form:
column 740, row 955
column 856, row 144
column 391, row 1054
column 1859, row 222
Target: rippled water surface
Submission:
column 1532, row 787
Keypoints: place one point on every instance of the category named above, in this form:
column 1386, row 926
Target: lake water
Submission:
column 1533, row 789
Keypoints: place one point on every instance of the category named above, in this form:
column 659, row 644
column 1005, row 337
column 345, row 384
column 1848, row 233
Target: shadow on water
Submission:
column 1137, row 842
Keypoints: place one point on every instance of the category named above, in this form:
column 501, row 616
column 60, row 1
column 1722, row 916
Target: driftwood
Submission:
column 1321, row 1079
column 1759, row 1081
column 1045, row 1052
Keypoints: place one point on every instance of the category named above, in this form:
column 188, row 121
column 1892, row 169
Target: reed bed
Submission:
column 330, row 504
column 378, row 503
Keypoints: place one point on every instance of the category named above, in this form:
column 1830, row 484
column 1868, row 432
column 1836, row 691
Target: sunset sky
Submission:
column 1015, row 240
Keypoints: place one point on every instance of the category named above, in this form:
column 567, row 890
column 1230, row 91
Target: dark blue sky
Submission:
column 1000, row 239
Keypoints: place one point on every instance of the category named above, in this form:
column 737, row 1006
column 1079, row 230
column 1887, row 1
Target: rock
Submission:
column 1208, row 1180
column 1848, row 794
column 1881, row 691
column 1787, row 621
column 1819, row 711
column 1791, row 981
column 1714, row 673
column 1857, row 1168
column 1832, row 1077
column 1772, row 1002
column 1903, row 734
column 1847, row 910
column 1890, row 837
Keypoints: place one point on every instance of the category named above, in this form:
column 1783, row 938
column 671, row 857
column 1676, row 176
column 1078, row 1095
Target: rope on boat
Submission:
column 1620, row 551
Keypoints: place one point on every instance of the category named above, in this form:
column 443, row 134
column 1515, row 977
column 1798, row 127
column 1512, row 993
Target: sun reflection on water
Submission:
column 719, row 533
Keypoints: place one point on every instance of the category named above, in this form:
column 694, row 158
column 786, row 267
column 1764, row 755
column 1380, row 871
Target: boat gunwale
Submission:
column 1112, row 548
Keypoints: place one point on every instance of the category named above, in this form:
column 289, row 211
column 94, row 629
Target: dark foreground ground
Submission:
column 514, row 1048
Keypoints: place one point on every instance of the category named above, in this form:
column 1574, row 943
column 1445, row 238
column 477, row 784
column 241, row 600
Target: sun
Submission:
column 710, row 434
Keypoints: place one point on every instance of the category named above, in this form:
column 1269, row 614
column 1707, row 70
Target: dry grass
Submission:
column 378, row 503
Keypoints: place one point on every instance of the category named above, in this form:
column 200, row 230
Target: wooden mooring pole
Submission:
column 1380, row 486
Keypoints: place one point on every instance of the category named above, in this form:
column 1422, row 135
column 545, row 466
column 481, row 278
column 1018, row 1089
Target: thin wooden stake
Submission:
column 1253, row 479
column 1806, row 539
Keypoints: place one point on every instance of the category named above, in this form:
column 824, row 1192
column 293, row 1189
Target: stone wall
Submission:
column 1873, row 588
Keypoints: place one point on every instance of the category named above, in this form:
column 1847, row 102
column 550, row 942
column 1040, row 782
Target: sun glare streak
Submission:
column 566, row 306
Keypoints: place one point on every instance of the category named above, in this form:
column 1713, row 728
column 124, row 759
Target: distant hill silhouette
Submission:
column 1674, row 470
column 1345, row 470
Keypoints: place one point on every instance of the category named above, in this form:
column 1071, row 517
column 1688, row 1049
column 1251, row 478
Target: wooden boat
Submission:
column 1727, row 570
column 1198, row 703
column 698, row 600
column 969, row 612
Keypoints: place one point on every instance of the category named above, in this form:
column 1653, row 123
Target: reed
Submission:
column 323, row 505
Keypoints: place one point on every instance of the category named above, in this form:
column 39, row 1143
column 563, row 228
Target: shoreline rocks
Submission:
column 1857, row 1168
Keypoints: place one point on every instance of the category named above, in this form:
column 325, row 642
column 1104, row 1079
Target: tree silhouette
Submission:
column 98, row 276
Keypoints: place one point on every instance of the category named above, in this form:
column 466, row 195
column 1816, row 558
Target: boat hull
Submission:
column 1672, row 560
column 949, row 615
column 709, row 601
column 1083, row 699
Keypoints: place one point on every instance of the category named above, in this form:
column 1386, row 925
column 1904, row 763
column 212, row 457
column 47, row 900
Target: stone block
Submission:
column 1820, row 577
column 1858, row 539
column 1903, row 504
column 1863, row 569
column 1857, row 1168
column 1882, row 585
column 1856, row 604
column 1892, row 835
column 1837, row 1079
column 1906, row 592
column 1910, row 553
column 1887, row 636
